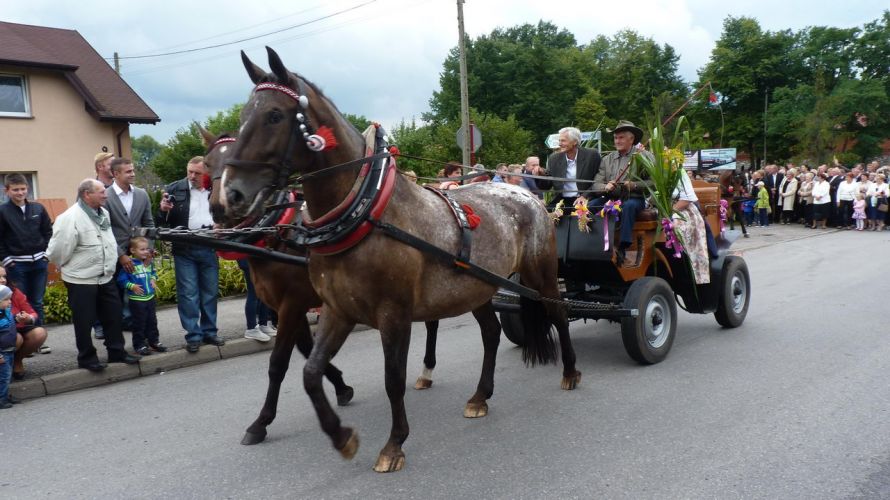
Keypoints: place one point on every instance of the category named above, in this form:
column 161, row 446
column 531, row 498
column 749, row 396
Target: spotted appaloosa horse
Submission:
column 380, row 281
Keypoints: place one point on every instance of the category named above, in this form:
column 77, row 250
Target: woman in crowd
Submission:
column 821, row 199
column 875, row 195
column 452, row 169
column 30, row 337
column 689, row 224
column 805, row 198
column 846, row 195
column 788, row 195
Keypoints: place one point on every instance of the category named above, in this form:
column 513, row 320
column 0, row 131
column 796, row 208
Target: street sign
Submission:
column 552, row 140
column 477, row 137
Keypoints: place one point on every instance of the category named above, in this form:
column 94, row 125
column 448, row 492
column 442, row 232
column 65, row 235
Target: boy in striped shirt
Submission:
column 140, row 286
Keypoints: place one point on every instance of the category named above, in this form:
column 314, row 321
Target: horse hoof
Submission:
column 251, row 438
column 570, row 383
column 476, row 410
column 386, row 463
column 423, row 383
column 349, row 449
column 343, row 398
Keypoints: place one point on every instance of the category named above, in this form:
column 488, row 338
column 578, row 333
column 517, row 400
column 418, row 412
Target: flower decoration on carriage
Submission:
column 558, row 212
column 612, row 207
column 583, row 215
column 665, row 170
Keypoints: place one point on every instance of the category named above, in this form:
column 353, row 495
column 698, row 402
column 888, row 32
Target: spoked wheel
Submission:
column 649, row 336
column 735, row 293
column 514, row 330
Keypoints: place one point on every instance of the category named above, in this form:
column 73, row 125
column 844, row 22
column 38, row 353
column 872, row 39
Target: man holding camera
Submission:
column 186, row 203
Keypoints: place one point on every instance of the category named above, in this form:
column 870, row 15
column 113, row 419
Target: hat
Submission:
column 100, row 157
column 5, row 292
column 626, row 125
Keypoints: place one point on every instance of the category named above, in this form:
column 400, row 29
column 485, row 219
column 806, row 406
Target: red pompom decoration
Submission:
column 394, row 151
column 473, row 219
column 206, row 181
column 330, row 140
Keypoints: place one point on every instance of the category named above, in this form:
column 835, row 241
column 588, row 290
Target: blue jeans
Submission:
column 629, row 209
column 6, row 374
column 253, row 306
column 197, row 285
column 30, row 278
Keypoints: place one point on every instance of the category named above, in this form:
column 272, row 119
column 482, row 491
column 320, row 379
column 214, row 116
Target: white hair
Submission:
column 572, row 133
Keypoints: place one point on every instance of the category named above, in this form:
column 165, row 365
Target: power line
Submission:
column 252, row 37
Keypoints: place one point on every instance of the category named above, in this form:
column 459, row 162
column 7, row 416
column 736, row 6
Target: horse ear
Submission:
column 255, row 73
column 277, row 66
column 206, row 136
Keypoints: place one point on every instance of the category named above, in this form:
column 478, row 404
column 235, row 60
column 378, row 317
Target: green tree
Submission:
column 170, row 163
column 145, row 149
column 358, row 121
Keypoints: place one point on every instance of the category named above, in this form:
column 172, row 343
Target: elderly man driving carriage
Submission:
column 620, row 178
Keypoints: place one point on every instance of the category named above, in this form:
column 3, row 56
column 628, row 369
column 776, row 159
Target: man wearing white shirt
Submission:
column 186, row 203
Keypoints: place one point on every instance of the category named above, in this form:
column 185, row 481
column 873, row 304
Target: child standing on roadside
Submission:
column 140, row 286
column 762, row 204
column 7, row 345
column 859, row 212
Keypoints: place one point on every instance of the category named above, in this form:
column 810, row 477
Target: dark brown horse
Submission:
column 286, row 289
column 380, row 281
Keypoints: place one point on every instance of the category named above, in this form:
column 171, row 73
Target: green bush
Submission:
column 55, row 304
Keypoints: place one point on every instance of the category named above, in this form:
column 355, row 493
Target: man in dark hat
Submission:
column 620, row 177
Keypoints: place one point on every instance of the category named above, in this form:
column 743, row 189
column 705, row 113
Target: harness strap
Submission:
column 466, row 237
column 447, row 258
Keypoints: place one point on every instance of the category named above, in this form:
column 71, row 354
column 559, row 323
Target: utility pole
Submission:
column 117, row 63
column 464, row 98
column 765, row 108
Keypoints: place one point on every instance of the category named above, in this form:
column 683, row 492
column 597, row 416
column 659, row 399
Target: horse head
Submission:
column 287, row 127
column 218, row 150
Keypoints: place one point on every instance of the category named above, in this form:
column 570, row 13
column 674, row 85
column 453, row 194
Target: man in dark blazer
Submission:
column 128, row 207
column 573, row 162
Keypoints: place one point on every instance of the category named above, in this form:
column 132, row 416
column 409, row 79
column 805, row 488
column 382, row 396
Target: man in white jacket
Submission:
column 84, row 248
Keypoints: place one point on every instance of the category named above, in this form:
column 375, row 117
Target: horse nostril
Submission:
column 234, row 196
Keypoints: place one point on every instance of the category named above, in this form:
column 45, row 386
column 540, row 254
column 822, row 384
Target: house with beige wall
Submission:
column 61, row 103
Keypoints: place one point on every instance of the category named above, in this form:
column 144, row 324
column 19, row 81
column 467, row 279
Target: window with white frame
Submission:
column 14, row 96
column 31, row 177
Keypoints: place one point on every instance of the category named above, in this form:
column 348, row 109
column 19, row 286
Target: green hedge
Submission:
column 231, row 282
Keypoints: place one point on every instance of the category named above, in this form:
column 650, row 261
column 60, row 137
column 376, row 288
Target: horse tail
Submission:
column 539, row 347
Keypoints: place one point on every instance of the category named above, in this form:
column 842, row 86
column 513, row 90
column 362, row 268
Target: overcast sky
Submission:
column 377, row 58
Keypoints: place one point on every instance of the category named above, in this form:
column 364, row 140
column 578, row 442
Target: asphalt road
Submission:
column 793, row 404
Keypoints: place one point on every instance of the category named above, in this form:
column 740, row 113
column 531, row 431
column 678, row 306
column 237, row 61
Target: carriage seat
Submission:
column 647, row 220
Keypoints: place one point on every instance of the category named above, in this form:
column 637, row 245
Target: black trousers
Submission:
column 91, row 302
column 145, row 322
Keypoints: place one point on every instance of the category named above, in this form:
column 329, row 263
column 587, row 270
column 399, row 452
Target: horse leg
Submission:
column 425, row 380
column 555, row 314
column 332, row 332
column 571, row 377
column 279, row 361
column 396, row 338
column 491, row 335
column 332, row 373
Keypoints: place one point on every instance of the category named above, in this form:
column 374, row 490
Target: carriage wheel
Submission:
column 514, row 330
column 649, row 336
column 735, row 293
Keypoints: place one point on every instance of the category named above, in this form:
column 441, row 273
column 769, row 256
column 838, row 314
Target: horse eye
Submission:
column 275, row 117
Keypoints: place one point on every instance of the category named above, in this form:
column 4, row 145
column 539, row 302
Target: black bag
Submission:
column 882, row 204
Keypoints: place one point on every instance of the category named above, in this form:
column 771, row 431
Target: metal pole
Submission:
column 117, row 63
column 765, row 108
column 464, row 97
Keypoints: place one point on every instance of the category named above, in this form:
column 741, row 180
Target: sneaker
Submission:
column 99, row 334
column 45, row 349
column 159, row 347
column 143, row 351
column 255, row 334
column 268, row 330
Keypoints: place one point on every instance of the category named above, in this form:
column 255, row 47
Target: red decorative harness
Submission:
column 287, row 217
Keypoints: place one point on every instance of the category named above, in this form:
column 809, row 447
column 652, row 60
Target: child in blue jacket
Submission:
column 140, row 286
column 7, row 345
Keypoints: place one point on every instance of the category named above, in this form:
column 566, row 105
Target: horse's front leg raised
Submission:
column 396, row 338
column 491, row 335
column 332, row 332
column 332, row 373
column 425, row 380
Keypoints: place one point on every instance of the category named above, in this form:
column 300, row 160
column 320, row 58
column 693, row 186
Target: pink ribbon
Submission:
column 670, row 239
column 724, row 214
column 612, row 207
